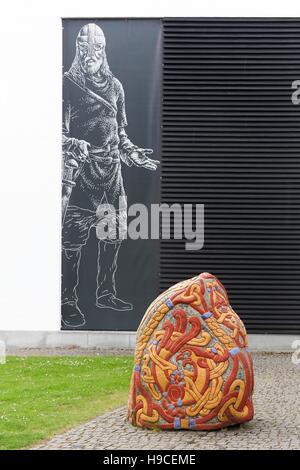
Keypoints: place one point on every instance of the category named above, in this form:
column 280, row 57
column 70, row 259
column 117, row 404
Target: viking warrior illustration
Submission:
column 94, row 144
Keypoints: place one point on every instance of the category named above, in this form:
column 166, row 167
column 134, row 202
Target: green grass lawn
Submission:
column 40, row 396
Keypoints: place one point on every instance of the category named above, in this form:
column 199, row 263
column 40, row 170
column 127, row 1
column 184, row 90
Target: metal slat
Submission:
column 231, row 140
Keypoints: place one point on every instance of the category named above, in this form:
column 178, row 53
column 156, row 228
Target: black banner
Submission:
column 111, row 144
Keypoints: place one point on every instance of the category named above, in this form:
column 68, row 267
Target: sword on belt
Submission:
column 72, row 170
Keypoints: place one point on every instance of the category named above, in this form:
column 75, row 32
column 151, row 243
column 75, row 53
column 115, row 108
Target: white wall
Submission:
column 30, row 104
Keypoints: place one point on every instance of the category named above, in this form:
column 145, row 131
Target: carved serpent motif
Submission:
column 192, row 366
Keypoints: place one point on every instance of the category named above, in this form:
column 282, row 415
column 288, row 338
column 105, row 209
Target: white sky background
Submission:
column 30, row 114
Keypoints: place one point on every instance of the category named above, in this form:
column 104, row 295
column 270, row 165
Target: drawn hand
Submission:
column 79, row 149
column 139, row 157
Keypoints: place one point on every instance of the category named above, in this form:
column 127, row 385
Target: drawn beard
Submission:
column 91, row 67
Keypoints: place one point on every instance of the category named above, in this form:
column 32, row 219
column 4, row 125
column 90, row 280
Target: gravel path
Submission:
column 69, row 351
column 276, row 424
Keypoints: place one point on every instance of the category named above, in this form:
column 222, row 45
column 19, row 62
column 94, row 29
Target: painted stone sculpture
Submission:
column 192, row 367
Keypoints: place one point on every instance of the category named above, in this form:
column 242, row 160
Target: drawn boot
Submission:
column 71, row 315
column 106, row 286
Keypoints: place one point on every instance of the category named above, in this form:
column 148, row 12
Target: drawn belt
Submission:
column 101, row 154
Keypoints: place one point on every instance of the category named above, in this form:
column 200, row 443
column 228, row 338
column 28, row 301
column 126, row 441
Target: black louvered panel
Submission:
column 231, row 140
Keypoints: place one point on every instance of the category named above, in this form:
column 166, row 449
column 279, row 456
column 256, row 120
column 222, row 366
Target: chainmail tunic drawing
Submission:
column 95, row 145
